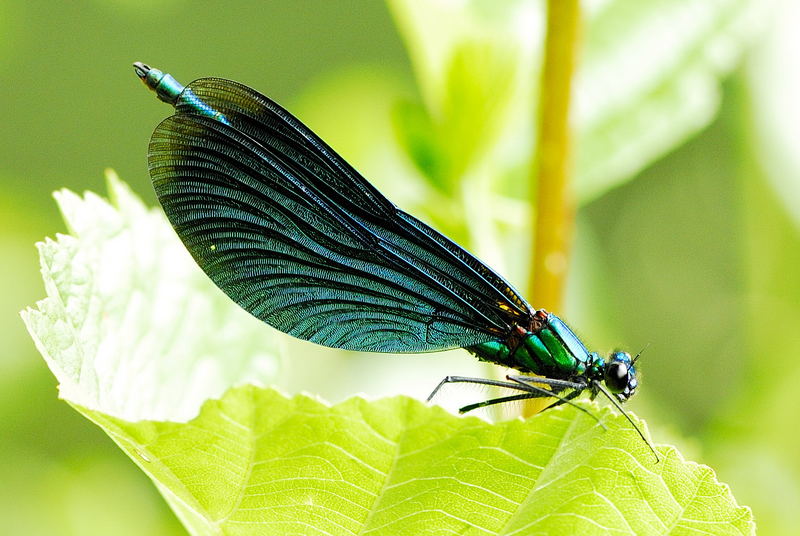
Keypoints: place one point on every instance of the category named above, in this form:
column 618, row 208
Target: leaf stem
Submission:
column 551, row 170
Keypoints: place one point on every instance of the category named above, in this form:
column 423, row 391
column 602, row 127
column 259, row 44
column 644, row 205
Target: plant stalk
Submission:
column 551, row 171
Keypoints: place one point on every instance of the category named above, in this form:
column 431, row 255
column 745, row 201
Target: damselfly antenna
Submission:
column 646, row 346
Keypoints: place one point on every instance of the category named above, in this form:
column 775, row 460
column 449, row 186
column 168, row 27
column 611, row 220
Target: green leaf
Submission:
column 256, row 462
column 137, row 336
column 474, row 78
column 131, row 326
column 447, row 143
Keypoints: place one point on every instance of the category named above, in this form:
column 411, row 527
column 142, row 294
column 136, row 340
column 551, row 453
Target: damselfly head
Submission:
column 620, row 375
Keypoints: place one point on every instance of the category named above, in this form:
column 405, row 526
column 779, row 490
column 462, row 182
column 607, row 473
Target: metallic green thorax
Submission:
column 551, row 349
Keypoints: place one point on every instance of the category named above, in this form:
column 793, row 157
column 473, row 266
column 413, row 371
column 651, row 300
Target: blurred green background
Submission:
column 688, row 176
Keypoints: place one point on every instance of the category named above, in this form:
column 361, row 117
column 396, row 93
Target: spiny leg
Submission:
column 517, row 386
column 577, row 389
column 521, row 383
column 558, row 386
column 493, row 401
column 564, row 384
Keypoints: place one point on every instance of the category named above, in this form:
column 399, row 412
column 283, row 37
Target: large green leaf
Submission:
column 256, row 462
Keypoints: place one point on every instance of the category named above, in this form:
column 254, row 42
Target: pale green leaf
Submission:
column 131, row 326
column 445, row 146
column 773, row 82
column 474, row 75
column 648, row 78
column 256, row 462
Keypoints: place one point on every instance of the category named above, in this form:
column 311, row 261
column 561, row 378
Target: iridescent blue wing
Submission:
column 301, row 240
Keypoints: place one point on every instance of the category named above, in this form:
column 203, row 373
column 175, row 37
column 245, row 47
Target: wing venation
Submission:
column 297, row 237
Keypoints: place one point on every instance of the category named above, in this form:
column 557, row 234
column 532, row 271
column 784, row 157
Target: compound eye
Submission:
column 617, row 377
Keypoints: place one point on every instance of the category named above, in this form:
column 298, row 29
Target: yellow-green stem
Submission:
column 550, row 175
